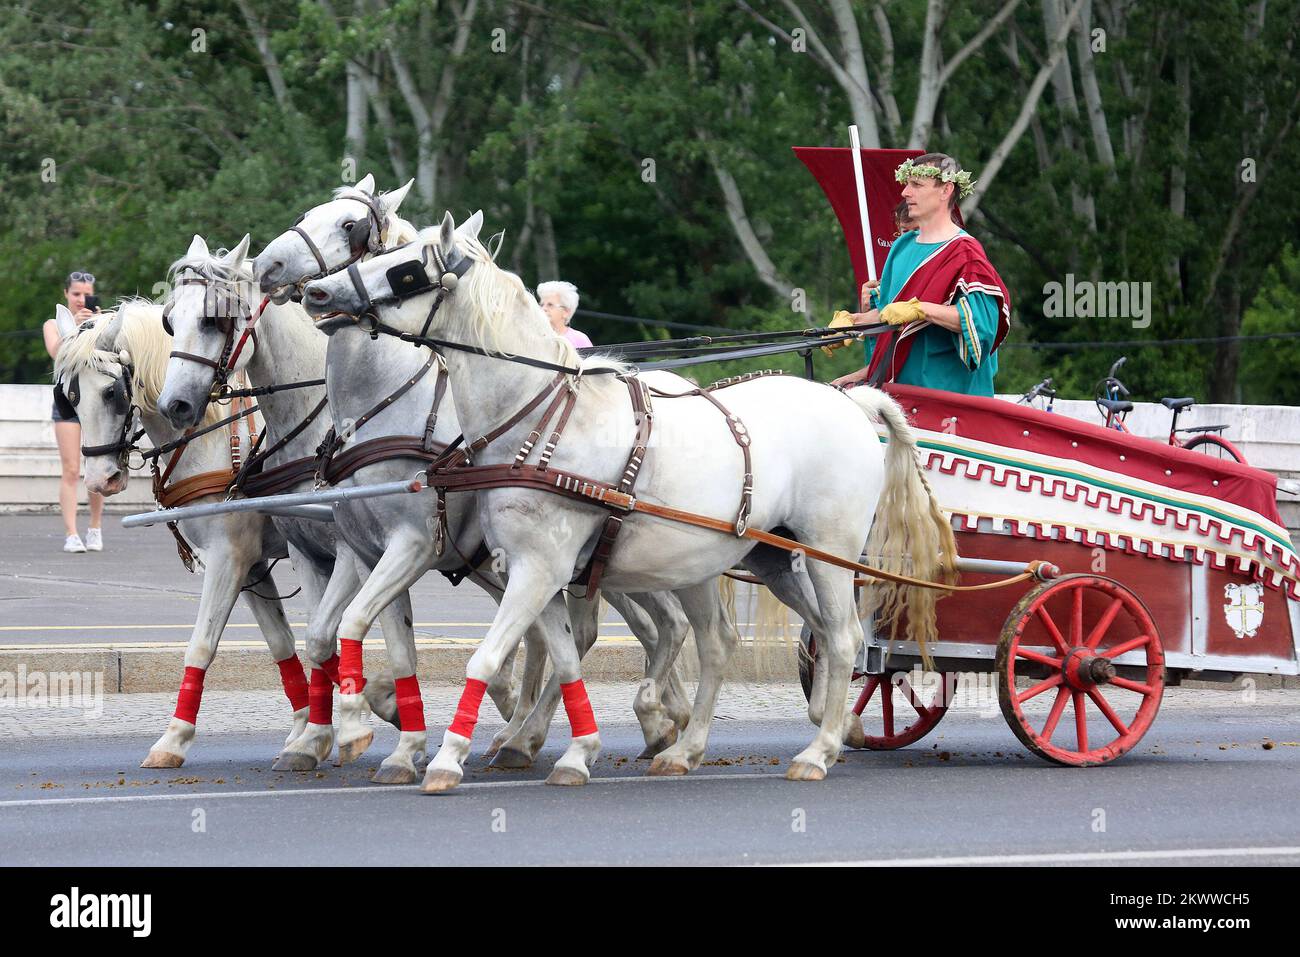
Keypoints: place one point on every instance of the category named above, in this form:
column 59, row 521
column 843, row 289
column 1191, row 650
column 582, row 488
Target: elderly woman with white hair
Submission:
column 559, row 301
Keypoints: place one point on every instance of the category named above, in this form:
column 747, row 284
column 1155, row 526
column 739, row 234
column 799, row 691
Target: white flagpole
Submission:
column 867, row 245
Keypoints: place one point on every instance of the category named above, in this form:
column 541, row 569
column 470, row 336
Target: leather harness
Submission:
column 197, row 486
column 454, row 471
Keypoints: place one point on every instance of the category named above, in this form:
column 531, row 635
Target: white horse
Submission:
column 209, row 310
column 395, row 535
column 124, row 356
column 799, row 434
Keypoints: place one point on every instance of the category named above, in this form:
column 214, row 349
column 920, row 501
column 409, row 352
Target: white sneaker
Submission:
column 94, row 540
column 73, row 544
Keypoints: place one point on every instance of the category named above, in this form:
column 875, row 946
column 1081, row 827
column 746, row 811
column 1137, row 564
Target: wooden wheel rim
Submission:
column 927, row 716
column 1073, row 695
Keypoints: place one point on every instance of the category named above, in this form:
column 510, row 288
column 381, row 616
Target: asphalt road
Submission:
column 136, row 590
column 1199, row 790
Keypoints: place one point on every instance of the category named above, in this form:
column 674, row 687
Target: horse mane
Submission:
column 135, row 326
column 497, row 297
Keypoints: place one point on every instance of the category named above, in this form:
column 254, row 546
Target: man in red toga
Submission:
column 947, row 303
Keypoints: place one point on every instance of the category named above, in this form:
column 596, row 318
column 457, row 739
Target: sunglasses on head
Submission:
column 80, row 277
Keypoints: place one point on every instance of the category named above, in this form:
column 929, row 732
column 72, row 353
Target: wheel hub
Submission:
column 1084, row 669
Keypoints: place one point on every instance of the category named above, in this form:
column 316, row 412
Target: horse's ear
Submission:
column 447, row 233
column 390, row 201
column 367, row 184
column 235, row 258
column 472, row 225
column 198, row 248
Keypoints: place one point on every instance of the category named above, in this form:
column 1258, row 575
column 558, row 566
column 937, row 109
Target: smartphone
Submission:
column 92, row 303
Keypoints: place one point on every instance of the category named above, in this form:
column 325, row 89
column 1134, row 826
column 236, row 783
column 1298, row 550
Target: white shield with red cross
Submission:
column 1245, row 608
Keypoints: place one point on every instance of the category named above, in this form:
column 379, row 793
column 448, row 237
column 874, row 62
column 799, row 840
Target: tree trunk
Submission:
column 548, row 259
column 269, row 61
column 1092, row 93
column 855, row 65
column 354, row 135
column 1055, row 52
column 1178, row 170
column 927, row 90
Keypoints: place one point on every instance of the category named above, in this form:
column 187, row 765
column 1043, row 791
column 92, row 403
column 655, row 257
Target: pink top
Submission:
column 577, row 339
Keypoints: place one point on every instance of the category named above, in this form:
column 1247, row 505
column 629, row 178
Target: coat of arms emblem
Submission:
column 1245, row 608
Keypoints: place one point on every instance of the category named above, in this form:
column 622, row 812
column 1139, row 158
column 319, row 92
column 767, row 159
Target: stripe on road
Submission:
column 370, row 789
column 1079, row 857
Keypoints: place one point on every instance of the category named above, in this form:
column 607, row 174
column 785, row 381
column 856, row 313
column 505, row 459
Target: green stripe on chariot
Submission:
column 1114, row 486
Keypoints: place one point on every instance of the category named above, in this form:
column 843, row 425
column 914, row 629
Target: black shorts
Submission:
column 63, row 411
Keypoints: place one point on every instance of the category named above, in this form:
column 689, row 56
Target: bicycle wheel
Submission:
column 1216, row 447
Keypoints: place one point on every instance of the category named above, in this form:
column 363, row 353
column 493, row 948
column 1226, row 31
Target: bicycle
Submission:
column 1043, row 390
column 1108, row 393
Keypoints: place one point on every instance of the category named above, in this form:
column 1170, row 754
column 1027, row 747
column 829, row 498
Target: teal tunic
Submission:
column 956, row 362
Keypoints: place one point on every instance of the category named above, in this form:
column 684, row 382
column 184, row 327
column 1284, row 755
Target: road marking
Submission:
column 1080, row 857
column 371, row 789
column 421, row 641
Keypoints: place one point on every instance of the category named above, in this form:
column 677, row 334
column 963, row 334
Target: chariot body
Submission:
column 1173, row 564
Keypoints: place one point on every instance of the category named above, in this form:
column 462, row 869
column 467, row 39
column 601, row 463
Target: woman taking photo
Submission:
column 67, row 428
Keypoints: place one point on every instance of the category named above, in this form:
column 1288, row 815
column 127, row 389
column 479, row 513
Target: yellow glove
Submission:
column 842, row 319
column 901, row 313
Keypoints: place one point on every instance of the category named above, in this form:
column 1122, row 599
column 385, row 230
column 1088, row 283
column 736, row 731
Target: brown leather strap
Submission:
column 571, row 485
column 382, row 449
column 566, row 397
column 600, row 555
column 484, row 440
column 738, row 432
column 244, row 481
column 196, row 486
column 279, row 479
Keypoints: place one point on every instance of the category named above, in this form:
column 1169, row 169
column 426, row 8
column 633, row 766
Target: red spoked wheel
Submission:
column 1065, row 636
column 897, row 729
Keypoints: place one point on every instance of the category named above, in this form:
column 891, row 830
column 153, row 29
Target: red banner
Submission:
column 832, row 167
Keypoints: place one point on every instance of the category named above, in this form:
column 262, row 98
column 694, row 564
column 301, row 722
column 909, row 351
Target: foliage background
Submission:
column 1128, row 166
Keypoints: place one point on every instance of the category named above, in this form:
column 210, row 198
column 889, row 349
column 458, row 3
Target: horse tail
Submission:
column 766, row 652
column 910, row 535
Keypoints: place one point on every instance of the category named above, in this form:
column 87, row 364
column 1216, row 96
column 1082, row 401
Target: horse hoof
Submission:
column 295, row 761
column 511, row 759
column 662, row 767
column 855, row 737
column 349, row 751
column 437, row 782
column 566, row 777
column 493, row 748
column 804, row 771
column 162, row 759
column 654, row 747
column 393, row 774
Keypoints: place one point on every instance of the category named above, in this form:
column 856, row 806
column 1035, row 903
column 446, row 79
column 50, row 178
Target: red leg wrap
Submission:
column 410, row 706
column 187, row 702
column 294, row 680
column 331, row 668
column 321, row 698
column 467, row 711
column 578, row 707
column 352, row 679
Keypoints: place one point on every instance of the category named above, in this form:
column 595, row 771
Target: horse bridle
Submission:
column 222, row 308
column 120, row 402
column 406, row 280
column 365, row 236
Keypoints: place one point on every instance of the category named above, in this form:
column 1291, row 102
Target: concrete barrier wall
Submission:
column 1268, row 435
column 29, row 456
